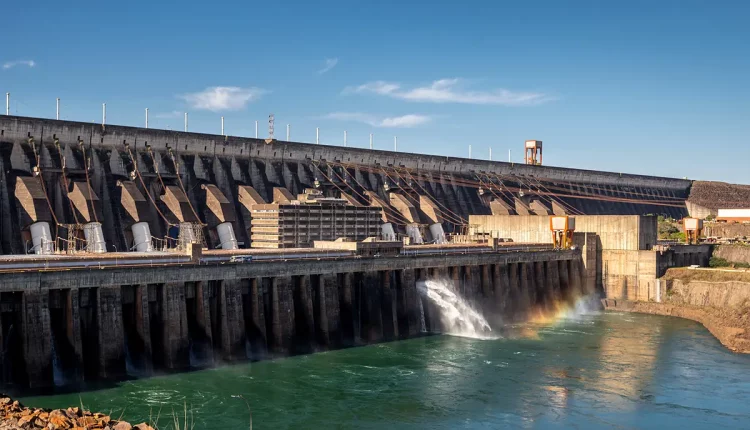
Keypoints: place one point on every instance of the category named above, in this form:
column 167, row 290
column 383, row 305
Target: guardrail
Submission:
column 48, row 264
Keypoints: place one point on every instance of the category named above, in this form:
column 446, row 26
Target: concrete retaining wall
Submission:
column 623, row 232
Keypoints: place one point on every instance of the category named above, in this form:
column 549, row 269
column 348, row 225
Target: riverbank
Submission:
column 718, row 298
column 13, row 415
column 730, row 327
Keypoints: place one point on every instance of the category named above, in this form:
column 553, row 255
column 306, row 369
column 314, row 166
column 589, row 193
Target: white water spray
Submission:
column 456, row 315
column 422, row 320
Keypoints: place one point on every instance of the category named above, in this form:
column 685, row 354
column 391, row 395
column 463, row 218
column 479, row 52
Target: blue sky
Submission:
column 646, row 87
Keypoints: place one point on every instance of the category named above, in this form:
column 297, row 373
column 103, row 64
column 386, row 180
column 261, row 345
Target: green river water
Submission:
column 595, row 371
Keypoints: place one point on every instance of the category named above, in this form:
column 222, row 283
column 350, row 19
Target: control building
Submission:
column 298, row 223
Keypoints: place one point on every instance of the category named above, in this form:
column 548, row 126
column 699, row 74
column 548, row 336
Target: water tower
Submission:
column 534, row 152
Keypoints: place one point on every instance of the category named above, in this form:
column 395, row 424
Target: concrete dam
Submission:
column 129, row 251
column 129, row 166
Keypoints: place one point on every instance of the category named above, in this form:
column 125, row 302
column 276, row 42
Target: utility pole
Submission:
column 57, row 115
column 7, row 103
column 146, row 117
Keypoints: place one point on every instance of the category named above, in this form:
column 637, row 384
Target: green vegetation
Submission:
column 721, row 262
column 669, row 229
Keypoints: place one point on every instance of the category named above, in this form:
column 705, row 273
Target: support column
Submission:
column 111, row 334
column 539, row 280
column 502, row 288
column 37, row 338
column 553, row 281
column 334, row 309
column 457, row 279
column 513, row 279
column 143, row 324
column 389, row 305
column 175, row 333
column 282, row 315
column 474, row 284
column 581, row 280
column 307, row 326
column 346, row 300
column 564, row 279
column 232, row 320
column 372, row 321
column 322, row 334
column 73, row 331
column 574, row 273
column 256, row 324
column 486, row 297
column 487, row 292
column 408, row 305
column 203, row 341
column 528, row 287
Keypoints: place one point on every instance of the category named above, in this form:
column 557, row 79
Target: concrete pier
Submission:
column 111, row 335
column 175, row 338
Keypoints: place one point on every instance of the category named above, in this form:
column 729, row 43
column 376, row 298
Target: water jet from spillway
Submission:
column 457, row 317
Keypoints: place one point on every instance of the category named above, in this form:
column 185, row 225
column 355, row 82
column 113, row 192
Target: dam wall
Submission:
column 72, row 173
column 68, row 327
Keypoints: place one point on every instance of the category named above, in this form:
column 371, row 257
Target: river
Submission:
column 594, row 371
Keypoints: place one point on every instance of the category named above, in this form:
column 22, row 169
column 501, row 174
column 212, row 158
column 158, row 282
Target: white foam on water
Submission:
column 457, row 316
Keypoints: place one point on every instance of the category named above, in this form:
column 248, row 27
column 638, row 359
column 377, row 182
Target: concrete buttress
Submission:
column 564, row 273
column 256, row 323
column 346, row 301
column 282, row 315
column 73, row 331
column 201, row 337
column 372, row 317
column 176, row 341
column 232, row 320
column 111, row 335
column 37, row 338
column 389, row 305
column 333, row 311
column 408, row 305
column 143, row 324
column 308, row 328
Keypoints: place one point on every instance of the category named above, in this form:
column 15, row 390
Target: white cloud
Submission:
column 450, row 91
column 330, row 64
column 223, row 98
column 403, row 121
column 168, row 115
column 12, row 64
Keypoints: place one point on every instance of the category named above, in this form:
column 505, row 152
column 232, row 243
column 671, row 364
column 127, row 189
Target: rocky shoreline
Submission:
column 730, row 326
column 17, row 416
